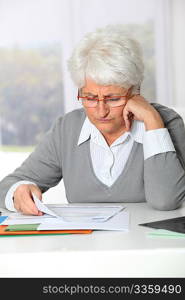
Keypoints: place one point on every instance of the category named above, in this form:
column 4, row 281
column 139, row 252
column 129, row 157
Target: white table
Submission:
column 100, row 254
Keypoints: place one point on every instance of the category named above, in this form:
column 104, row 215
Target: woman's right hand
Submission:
column 23, row 199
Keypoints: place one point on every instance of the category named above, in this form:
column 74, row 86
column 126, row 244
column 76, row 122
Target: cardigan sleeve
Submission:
column 43, row 166
column 164, row 173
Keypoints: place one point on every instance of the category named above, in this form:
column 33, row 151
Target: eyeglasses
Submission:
column 112, row 101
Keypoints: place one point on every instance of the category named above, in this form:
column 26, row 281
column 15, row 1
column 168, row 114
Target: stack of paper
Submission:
column 13, row 230
column 71, row 218
column 79, row 213
column 119, row 222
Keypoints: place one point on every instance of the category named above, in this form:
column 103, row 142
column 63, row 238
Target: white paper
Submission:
column 118, row 222
column 79, row 213
column 18, row 218
column 42, row 207
column 86, row 213
column 68, row 215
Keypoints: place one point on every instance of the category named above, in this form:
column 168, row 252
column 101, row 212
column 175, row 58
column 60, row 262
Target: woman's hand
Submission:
column 23, row 200
column 137, row 108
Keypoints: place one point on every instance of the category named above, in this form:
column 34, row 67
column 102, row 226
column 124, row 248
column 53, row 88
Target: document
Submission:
column 119, row 222
column 42, row 207
column 18, row 218
column 67, row 213
column 71, row 212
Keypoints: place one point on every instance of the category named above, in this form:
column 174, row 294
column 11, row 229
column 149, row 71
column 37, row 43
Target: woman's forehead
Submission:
column 93, row 87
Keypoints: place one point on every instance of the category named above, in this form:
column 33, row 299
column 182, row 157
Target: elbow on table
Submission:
column 166, row 203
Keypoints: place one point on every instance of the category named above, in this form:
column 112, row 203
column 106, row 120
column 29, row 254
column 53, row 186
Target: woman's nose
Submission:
column 103, row 108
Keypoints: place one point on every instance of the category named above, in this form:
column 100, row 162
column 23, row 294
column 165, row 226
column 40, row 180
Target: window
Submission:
column 31, row 86
column 37, row 38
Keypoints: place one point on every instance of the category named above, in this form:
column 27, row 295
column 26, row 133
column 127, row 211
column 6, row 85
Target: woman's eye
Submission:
column 113, row 99
column 91, row 99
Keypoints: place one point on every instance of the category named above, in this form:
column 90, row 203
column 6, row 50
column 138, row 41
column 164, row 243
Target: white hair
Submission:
column 108, row 57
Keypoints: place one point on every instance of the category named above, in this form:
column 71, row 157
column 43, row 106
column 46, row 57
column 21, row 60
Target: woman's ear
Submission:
column 133, row 91
column 130, row 92
column 137, row 89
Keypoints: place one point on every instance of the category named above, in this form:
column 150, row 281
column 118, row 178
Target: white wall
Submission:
column 178, row 51
column 9, row 161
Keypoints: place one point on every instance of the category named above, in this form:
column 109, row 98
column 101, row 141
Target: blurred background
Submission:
column 38, row 36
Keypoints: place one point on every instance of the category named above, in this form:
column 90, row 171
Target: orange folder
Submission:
column 40, row 232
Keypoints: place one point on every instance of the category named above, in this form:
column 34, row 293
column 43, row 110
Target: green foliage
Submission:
column 30, row 93
column 17, row 148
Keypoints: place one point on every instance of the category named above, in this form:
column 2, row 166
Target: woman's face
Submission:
column 108, row 120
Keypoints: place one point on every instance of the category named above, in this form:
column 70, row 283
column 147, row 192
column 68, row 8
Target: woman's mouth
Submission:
column 104, row 120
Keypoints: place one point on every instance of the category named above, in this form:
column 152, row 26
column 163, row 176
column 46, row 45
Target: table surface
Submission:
column 100, row 254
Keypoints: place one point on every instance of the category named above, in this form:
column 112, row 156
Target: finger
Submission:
column 126, row 119
column 27, row 205
column 29, row 208
column 40, row 213
column 131, row 117
column 16, row 202
column 33, row 208
column 36, row 191
column 16, row 205
column 28, row 211
column 127, row 123
column 23, row 200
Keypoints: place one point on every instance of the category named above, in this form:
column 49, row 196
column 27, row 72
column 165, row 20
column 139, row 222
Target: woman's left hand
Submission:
column 137, row 108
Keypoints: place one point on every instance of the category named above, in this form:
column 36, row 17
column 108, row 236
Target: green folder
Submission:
column 22, row 227
column 166, row 233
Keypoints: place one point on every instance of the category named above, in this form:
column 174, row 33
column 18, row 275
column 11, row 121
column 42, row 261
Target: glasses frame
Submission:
column 97, row 99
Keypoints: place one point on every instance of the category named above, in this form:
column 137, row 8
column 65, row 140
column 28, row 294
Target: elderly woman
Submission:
column 117, row 148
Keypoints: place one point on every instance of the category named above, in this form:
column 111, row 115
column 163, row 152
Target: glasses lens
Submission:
column 113, row 102
column 116, row 102
column 88, row 102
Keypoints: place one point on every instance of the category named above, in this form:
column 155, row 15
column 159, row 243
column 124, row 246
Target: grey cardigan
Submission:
column 158, row 180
